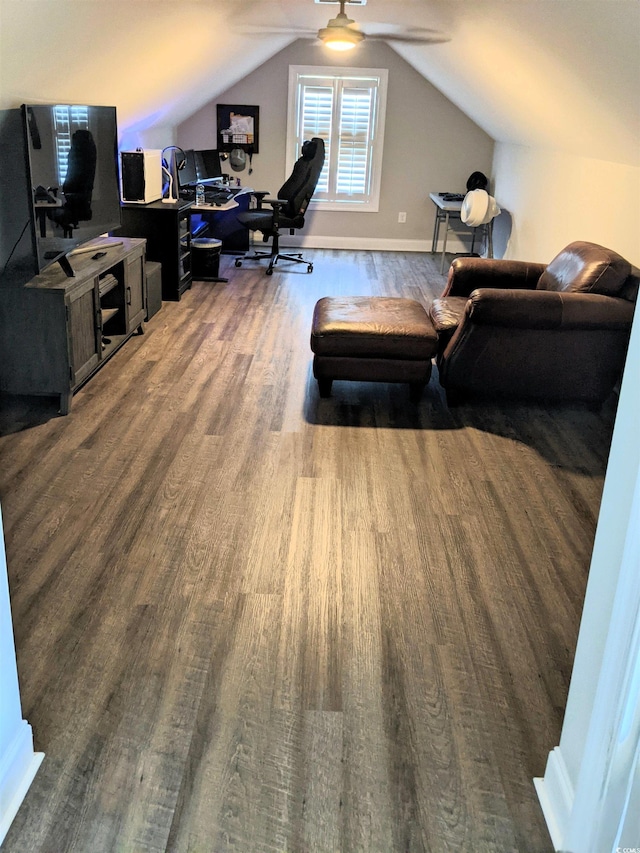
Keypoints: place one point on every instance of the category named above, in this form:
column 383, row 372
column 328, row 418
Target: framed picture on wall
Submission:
column 238, row 126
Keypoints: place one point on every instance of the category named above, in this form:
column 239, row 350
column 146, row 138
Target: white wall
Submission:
column 430, row 146
column 588, row 786
column 151, row 60
column 18, row 762
column 554, row 198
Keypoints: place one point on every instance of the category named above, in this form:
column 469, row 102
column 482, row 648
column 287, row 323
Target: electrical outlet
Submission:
column 402, row 216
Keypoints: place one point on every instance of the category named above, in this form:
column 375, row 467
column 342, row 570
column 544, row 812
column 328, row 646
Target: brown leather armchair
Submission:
column 556, row 332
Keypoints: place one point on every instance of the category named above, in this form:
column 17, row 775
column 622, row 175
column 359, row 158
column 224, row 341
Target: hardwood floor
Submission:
column 250, row 619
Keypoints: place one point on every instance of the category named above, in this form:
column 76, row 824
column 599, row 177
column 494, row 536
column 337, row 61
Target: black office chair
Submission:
column 288, row 208
column 78, row 184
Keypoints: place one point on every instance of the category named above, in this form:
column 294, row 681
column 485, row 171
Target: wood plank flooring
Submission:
column 250, row 619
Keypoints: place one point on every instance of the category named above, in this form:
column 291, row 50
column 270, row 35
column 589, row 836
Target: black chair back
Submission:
column 300, row 185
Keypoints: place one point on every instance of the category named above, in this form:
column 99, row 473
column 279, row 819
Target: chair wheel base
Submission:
column 273, row 259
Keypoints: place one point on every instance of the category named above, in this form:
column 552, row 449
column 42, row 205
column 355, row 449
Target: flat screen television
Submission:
column 72, row 177
column 208, row 165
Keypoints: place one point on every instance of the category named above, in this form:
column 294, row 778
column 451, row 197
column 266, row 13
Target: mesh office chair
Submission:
column 288, row 208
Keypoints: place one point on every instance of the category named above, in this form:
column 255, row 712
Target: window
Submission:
column 66, row 120
column 345, row 107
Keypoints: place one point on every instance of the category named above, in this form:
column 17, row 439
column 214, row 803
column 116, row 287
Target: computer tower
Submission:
column 141, row 176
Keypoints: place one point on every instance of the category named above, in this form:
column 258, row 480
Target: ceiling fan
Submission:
column 343, row 33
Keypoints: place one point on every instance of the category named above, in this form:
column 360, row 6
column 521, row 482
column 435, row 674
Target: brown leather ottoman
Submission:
column 372, row 339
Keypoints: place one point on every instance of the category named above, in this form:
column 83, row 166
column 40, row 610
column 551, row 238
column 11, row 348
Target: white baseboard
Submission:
column 556, row 796
column 18, row 767
column 367, row 244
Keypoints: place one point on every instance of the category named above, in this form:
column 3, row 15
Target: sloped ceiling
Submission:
column 562, row 74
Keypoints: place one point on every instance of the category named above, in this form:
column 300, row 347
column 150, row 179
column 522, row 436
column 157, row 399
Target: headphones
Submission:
column 180, row 164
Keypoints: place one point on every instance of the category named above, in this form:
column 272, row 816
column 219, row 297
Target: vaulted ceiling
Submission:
column 561, row 74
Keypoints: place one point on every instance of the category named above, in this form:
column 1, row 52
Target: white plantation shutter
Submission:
column 345, row 107
column 316, row 118
column 354, row 160
column 66, row 120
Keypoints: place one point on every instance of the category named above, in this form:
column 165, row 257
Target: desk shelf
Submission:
column 166, row 228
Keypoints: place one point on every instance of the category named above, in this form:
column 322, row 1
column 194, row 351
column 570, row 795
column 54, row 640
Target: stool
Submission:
column 372, row 339
column 205, row 259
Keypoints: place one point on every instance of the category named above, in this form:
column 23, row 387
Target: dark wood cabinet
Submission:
column 55, row 331
column 135, row 291
column 166, row 228
column 83, row 332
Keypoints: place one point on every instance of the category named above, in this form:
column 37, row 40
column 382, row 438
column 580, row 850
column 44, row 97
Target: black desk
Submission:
column 223, row 223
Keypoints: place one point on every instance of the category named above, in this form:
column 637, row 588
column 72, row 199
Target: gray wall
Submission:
column 430, row 145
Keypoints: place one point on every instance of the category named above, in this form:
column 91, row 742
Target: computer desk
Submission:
column 214, row 208
column 42, row 208
column 223, row 224
column 445, row 212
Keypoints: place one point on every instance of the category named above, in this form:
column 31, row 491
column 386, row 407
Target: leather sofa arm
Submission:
column 468, row 274
column 544, row 309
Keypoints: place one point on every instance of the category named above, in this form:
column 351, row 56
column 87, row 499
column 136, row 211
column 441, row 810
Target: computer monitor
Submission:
column 188, row 176
column 208, row 166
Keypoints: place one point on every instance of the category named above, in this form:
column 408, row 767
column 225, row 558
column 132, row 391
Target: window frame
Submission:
column 379, row 76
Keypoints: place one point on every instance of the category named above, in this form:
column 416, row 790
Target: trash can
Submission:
column 205, row 259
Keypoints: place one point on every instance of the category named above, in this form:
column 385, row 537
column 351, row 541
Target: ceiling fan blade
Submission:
column 372, row 31
column 262, row 29
column 409, row 38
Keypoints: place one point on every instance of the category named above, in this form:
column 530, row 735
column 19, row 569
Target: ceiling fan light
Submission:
column 340, row 38
column 336, row 44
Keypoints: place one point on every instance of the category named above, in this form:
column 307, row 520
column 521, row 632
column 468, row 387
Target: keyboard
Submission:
column 452, row 196
column 210, row 196
column 217, row 197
